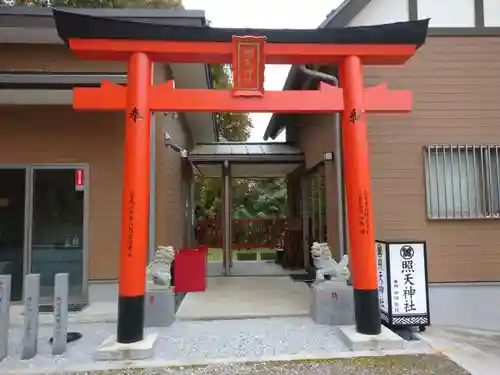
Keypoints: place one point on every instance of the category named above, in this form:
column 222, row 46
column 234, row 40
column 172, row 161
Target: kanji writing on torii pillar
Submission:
column 141, row 44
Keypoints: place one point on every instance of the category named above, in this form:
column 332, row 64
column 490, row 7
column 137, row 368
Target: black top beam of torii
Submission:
column 72, row 25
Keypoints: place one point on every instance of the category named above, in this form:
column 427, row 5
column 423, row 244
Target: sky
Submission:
column 272, row 14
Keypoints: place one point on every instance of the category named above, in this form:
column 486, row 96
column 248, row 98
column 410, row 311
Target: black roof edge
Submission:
column 338, row 17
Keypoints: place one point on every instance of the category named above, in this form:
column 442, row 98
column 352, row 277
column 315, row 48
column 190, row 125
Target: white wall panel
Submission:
column 492, row 13
column 382, row 11
column 448, row 13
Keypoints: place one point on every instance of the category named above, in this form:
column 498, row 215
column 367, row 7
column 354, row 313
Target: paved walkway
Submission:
column 249, row 268
column 246, row 297
column 475, row 350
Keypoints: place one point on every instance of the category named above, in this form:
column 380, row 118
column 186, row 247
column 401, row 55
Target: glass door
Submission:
column 317, row 205
column 57, row 239
column 12, row 227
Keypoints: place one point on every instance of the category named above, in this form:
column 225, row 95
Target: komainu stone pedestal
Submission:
column 160, row 306
column 332, row 302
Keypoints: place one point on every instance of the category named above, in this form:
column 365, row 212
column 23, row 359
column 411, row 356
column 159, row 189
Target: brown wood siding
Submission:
column 456, row 86
column 58, row 134
column 170, row 190
column 332, row 229
column 315, row 135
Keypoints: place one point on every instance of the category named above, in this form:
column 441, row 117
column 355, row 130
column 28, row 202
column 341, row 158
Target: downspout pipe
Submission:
column 152, row 191
column 339, row 170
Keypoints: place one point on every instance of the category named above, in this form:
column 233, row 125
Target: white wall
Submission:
column 382, row 11
column 447, row 13
column 443, row 13
column 465, row 305
column 492, row 13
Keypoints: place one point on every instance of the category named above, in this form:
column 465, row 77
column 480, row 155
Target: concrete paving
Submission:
column 246, row 297
column 248, row 268
column 96, row 312
column 477, row 351
column 225, row 298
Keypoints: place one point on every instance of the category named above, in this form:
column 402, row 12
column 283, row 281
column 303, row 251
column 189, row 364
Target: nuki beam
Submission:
column 165, row 97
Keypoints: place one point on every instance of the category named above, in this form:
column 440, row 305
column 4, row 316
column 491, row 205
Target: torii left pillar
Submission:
column 359, row 198
column 135, row 201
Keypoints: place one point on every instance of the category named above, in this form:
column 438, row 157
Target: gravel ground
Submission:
column 190, row 342
column 388, row 365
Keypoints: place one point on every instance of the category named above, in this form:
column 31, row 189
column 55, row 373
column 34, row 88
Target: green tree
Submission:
column 233, row 126
column 263, row 198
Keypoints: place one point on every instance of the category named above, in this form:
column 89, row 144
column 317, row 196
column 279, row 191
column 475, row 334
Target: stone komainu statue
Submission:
column 158, row 270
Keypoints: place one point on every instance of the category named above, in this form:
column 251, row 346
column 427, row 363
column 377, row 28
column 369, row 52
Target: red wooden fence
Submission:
column 247, row 234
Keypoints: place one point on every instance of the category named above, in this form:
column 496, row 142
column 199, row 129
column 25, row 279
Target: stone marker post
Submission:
column 5, row 282
column 59, row 337
column 31, row 313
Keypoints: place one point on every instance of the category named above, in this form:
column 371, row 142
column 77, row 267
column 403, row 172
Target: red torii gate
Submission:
column 141, row 44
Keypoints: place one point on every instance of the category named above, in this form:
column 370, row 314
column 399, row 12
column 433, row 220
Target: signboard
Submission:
column 248, row 65
column 79, row 180
column 403, row 283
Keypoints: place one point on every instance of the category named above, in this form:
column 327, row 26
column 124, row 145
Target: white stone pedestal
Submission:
column 110, row 350
column 387, row 340
column 332, row 303
column 159, row 309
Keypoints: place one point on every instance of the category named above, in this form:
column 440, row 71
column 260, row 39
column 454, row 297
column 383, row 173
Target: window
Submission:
column 462, row 182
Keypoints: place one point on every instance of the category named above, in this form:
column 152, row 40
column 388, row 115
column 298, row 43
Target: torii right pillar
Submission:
column 362, row 258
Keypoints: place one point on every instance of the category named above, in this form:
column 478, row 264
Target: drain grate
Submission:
column 72, row 307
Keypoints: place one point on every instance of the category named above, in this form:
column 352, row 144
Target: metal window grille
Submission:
column 462, row 181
